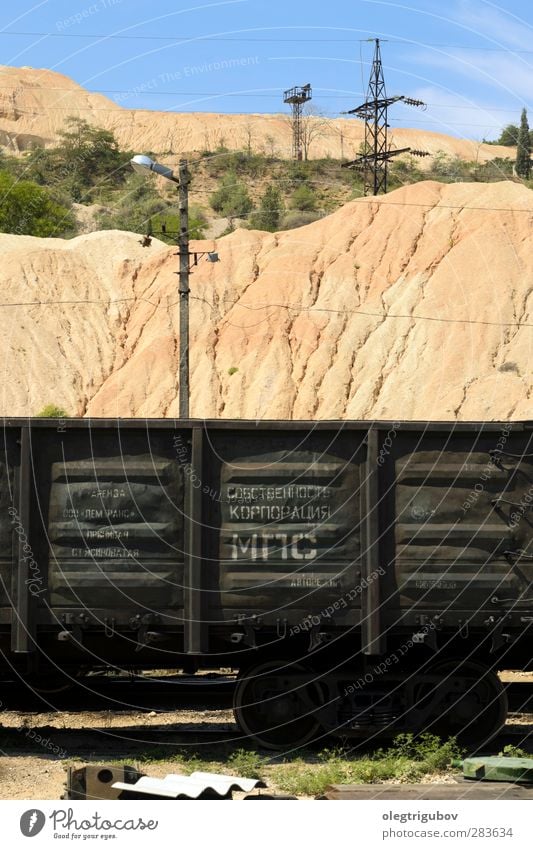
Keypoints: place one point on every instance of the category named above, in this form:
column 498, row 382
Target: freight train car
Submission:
column 363, row 578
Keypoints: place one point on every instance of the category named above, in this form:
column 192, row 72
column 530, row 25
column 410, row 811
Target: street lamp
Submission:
column 142, row 164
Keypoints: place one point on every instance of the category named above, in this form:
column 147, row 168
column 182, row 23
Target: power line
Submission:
column 105, row 302
column 370, row 313
column 275, row 94
column 291, row 307
column 443, row 123
column 270, row 40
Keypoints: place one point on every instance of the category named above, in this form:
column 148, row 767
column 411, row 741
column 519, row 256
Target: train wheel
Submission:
column 274, row 705
column 473, row 706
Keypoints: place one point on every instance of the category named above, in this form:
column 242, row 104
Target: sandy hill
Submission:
column 35, row 103
column 406, row 306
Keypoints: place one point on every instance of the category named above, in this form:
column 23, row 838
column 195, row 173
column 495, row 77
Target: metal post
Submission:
column 183, row 244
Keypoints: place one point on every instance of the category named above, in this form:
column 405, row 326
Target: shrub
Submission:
column 86, row 163
column 304, row 199
column 51, row 411
column 29, row 209
column 231, row 198
column 270, row 210
column 409, row 758
column 295, row 219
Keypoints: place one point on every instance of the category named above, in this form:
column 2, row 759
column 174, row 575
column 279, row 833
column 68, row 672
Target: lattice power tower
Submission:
column 297, row 97
column 376, row 155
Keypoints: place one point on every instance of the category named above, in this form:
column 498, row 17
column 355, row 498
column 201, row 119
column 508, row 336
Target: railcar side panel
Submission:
column 284, row 512
column 461, row 514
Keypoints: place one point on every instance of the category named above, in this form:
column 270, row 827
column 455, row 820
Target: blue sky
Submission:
column 470, row 60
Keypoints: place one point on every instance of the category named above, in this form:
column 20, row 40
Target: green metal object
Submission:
column 517, row 770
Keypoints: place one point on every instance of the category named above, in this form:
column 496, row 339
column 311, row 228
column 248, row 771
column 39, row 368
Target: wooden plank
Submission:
column 463, row 789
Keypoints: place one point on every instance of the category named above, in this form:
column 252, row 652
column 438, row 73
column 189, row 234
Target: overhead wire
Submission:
column 269, row 305
column 272, row 93
column 270, row 40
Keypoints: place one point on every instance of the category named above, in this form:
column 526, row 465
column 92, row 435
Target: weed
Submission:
column 408, row 758
column 511, row 751
column 247, row 764
column 52, row 411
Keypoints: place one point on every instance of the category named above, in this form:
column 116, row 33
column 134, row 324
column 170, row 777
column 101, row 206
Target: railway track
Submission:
column 169, row 693
column 123, row 715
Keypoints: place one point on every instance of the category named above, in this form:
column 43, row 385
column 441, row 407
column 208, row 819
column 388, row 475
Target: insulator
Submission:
column 419, row 153
column 412, row 102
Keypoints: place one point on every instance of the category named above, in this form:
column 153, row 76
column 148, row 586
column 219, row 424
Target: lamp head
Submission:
column 141, row 163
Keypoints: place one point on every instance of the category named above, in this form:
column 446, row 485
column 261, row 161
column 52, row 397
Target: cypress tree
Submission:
column 523, row 150
column 270, row 210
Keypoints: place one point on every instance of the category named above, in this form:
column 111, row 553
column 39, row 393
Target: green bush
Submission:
column 408, row 759
column 270, row 211
column 29, row 209
column 450, row 169
column 51, row 411
column 140, row 207
column 304, row 199
column 231, row 198
column 86, row 165
column 293, row 220
column 240, row 162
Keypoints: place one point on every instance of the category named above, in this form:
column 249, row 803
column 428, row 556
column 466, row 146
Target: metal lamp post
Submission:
column 142, row 164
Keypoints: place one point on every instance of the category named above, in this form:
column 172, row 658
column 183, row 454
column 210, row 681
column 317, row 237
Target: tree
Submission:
column 270, row 211
column 304, row 199
column 523, row 150
column 508, row 136
column 313, row 126
column 231, row 198
column 249, row 133
column 29, row 209
column 86, row 158
column 93, row 150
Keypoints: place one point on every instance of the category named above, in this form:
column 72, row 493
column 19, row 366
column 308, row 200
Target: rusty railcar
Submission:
column 363, row 577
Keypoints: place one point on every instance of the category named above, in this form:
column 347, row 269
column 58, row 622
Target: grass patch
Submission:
column 248, row 764
column 409, row 758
